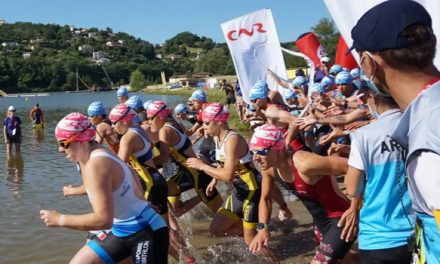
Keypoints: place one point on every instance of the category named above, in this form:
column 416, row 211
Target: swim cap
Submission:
column 11, row 108
column 290, row 94
column 299, row 80
column 147, row 103
column 215, row 112
column 343, row 77
column 261, row 85
column 355, row 73
column 134, row 102
column 317, row 87
column 122, row 92
column 158, row 108
column 75, row 124
column 327, row 81
column 96, row 109
column 180, row 108
column 198, row 95
column 121, row 112
column 259, row 91
column 267, row 136
column 335, row 69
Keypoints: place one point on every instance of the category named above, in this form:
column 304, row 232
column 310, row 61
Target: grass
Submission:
column 214, row 95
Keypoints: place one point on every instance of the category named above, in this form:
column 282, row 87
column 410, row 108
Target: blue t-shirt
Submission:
column 385, row 220
column 12, row 123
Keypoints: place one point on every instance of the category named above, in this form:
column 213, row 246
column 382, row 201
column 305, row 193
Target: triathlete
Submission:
column 122, row 95
column 117, row 202
column 37, row 117
column 175, row 145
column 12, row 130
column 136, row 149
column 103, row 126
column 312, row 180
column 239, row 213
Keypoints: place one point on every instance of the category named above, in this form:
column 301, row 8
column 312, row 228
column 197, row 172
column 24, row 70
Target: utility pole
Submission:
column 77, row 79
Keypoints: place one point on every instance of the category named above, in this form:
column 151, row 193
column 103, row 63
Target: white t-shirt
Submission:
column 423, row 172
column 355, row 159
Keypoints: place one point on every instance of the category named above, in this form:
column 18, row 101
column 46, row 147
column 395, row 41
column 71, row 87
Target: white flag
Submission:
column 253, row 42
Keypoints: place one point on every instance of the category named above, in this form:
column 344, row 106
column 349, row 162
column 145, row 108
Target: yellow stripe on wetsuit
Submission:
column 143, row 172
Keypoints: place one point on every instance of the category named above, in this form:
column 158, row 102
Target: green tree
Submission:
column 137, row 80
column 215, row 61
column 328, row 35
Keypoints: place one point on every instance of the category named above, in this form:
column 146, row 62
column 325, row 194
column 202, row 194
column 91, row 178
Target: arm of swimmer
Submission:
column 264, row 210
column 98, row 183
column 279, row 81
column 280, row 116
column 312, row 166
column 344, row 119
column 193, row 129
column 125, row 151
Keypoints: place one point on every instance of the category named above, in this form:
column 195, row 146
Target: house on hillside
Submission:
column 86, row 48
column 10, row 44
column 2, row 21
column 26, row 55
column 113, row 44
column 97, row 55
column 91, row 35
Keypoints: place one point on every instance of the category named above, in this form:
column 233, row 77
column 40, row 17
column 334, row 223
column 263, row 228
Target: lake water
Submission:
column 34, row 181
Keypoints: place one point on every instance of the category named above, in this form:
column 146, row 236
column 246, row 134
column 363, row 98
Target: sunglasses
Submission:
column 265, row 151
column 119, row 119
column 65, row 143
column 155, row 114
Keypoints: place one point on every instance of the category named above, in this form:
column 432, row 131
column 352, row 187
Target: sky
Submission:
column 158, row 20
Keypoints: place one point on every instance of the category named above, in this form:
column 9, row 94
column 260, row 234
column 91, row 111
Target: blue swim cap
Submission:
column 343, row 77
column 147, row 103
column 252, row 108
column 134, row 102
column 122, row 92
column 290, row 94
column 345, row 69
column 317, row 87
column 96, row 109
column 261, row 85
column 335, row 69
column 299, row 80
column 355, row 73
column 180, row 108
column 327, row 81
column 198, row 95
column 258, row 93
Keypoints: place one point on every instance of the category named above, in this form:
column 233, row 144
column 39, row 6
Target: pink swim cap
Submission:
column 267, row 136
column 215, row 112
column 158, row 108
column 121, row 113
column 75, row 124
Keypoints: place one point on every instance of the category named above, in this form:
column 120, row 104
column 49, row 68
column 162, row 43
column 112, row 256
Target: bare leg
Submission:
column 223, row 225
column 86, row 256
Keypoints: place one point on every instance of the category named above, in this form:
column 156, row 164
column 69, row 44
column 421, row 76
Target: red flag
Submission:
column 342, row 59
column 309, row 45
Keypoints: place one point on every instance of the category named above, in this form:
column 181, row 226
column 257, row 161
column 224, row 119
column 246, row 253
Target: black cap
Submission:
column 380, row 27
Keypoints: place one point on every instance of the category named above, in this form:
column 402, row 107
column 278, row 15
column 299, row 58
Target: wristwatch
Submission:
column 261, row 226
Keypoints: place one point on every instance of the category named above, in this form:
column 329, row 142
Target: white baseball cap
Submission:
column 11, row 108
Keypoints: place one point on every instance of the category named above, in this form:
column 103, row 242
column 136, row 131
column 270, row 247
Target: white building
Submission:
column 98, row 55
